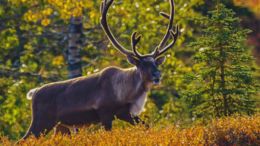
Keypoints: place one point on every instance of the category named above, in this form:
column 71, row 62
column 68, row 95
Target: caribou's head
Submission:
column 146, row 64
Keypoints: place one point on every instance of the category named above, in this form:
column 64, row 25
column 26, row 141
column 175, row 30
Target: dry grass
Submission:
column 225, row 131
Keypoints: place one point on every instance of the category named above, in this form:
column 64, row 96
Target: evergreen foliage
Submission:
column 224, row 83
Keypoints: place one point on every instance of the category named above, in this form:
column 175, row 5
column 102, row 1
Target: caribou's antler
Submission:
column 158, row 50
column 134, row 42
column 175, row 35
column 170, row 17
column 168, row 32
column 103, row 20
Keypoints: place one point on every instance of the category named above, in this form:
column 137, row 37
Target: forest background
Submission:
column 34, row 46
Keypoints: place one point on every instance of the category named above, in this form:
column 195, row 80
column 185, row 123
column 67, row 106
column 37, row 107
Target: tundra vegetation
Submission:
column 209, row 75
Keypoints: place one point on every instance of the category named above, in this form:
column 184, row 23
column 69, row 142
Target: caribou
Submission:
column 100, row 97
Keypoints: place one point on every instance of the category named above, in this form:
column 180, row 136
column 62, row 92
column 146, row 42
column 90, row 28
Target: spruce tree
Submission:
column 220, row 86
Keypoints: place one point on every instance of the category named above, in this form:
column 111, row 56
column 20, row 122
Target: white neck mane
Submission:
column 127, row 84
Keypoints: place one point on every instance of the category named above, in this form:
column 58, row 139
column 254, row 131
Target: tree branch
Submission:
column 27, row 74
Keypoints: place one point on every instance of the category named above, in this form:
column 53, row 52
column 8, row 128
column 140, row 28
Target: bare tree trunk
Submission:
column 74, row 51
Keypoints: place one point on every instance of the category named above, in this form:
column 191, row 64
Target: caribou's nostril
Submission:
column 157, row 74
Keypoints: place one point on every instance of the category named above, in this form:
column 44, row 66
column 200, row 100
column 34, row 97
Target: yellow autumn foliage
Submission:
column 58, row 60
column 65, row 8
column 45, row 22
column 92, row 14
column 237, row 130
column 47, row 12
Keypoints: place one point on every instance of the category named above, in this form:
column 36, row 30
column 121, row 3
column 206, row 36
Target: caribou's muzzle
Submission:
column 156, row 77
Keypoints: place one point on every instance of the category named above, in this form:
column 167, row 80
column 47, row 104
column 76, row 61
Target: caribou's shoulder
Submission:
column 110, row 71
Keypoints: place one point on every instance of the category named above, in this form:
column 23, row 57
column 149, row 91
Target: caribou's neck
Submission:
column 140, row 96
column 128, row 84
column 130, row 88
column 140, row 84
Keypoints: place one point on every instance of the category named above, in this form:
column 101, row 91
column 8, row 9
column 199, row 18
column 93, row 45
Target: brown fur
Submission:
column 83, row 101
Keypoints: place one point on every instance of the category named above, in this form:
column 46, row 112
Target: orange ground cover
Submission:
column 236, row 130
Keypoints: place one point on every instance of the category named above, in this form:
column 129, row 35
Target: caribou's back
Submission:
column 86, row 92
column 90, row 92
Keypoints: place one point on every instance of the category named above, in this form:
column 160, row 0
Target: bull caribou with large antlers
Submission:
column 102, row 96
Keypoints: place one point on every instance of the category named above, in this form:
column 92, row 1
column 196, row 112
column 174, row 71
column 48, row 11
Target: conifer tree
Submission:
column 220, row 86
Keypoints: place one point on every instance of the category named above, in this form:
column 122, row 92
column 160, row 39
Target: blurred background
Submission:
column 34, row 46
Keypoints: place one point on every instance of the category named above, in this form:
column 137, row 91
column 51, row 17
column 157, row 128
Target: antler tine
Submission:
column 101, row 7
column 103, row 20
column 156, row 52
column 165, row 15
column 134, row 42
column 171, row 17
column 175, row 35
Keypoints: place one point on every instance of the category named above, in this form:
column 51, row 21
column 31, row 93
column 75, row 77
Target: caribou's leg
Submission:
column 134, row 120
column 62, row 129
column 43, row 119
column 125, row 115
column 39, row 126
column 107, row 116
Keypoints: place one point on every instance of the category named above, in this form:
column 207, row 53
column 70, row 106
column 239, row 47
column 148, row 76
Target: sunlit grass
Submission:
column 236, row 130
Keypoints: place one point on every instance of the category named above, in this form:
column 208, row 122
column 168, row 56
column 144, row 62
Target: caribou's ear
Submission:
column 160, row 60
column 133, row 60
